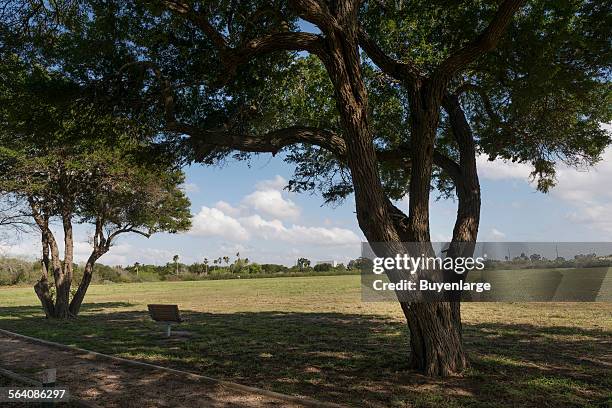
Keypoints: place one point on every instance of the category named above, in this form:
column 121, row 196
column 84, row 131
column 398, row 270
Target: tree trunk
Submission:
column 435, row 328
column 50, row 260
column 342, row 63
column 468, row 185
column 436, row 341
column 41, row 288
column 436, row 338
column 77, row 299
column 62, row 297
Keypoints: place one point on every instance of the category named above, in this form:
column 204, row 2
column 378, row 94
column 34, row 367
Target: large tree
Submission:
column 362, row 113
column 75, row 164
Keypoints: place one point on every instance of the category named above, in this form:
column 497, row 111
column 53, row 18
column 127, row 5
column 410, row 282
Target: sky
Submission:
column 242, row 208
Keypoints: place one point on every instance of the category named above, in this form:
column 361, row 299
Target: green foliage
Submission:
column 24, row 272
column 17, row 271
column 548, row 98
column 545, row 86
column 64, row 153
column 303, row 263
column 322, row 267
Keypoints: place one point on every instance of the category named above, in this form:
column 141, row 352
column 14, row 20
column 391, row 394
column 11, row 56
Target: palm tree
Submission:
column 175, row 258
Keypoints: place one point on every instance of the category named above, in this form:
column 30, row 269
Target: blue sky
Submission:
column 242, row 208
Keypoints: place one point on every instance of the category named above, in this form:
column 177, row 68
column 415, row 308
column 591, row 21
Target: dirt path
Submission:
column 109, row 383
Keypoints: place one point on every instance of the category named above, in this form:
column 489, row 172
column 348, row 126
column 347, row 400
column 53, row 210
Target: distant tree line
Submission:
column 14, row 271
column 537, row 261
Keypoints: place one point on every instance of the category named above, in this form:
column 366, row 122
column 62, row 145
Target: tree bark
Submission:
column 435, row 327
column 41, row 288
column 77, row 299
column 436, row 341
column 51, row 259
column 62, row 296
column 467, row 186
column 343, row 66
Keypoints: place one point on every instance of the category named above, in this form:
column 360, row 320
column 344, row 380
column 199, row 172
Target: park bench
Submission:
column 167, row 314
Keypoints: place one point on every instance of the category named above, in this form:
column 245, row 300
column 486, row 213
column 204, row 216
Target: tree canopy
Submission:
column 72, row 162
column 539, row 96
column 381, row 100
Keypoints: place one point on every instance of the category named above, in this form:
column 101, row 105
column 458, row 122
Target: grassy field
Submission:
column 313, row 336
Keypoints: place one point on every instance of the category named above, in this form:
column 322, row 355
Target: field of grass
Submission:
column 313, row 336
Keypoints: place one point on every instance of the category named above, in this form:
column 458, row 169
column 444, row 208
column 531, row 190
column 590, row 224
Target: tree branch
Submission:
column 205, row 141
column 486, row 102
column 484, row 43
column 317, row 13
column 401, row 155
column 184, row 9
column 291, row 41
column 233, row 57
column 122, row 230
column 402, row 71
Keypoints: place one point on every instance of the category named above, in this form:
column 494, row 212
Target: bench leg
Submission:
column 168, row 329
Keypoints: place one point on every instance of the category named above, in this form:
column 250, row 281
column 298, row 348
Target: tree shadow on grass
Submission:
column 348, row 358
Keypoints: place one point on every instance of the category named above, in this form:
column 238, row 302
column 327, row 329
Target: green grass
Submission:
column 313, row 336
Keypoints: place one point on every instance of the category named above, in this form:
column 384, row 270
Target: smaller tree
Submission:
column 303, row 263
column 535, row 257
column 72, row 162
column 175, row 259
column 359, row 263
column 323, row 267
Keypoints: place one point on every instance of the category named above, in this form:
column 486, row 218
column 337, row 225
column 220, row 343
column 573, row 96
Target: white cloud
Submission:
column 228, row 209
column 272, row 203
column 277, row 183
column 238, row 224
column 190, row 188
column 268, row 199
column 119, row 254
column 276, row 230
column 584, row 189
column 127, row 254
column 266, row 229
column 29, row 248
column 497, row 234
column 589, row 185
column 589, row 193
column 500, row 170
column 230, row 248
column 213, row 222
